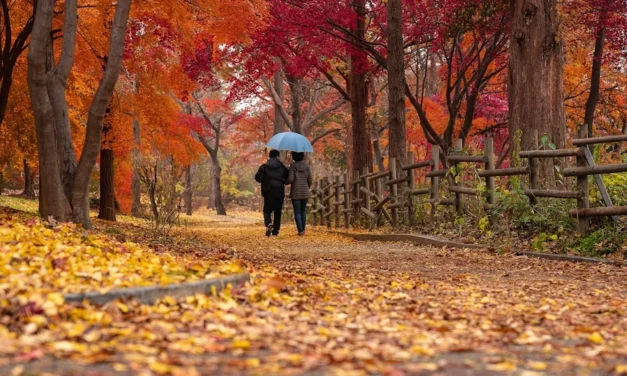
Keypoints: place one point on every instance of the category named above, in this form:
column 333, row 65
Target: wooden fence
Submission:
column 373, row 199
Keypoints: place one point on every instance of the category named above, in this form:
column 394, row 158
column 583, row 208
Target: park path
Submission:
column 467, row 311
column 325, row 304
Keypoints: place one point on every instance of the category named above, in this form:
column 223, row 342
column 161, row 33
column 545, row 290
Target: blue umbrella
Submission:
column 290, row 141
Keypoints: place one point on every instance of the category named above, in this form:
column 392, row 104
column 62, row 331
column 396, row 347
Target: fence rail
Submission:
column 379, row 198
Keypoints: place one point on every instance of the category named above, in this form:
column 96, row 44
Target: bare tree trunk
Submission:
column 279, row 122
column 93, row 133
column 357, row 80
column 107, row 190
column 296, row 92
column 217, row 189
column 396, row 81
column 536, row 68
column 52, row 200
column 187, row 195
column 136, row 208
column 29, row 186
column 595, row 80
column 11, row 51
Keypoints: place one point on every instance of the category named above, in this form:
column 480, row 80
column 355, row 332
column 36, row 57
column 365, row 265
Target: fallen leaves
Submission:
column 321, row 302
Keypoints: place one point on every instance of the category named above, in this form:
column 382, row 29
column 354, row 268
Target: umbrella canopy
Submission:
column 290, row 141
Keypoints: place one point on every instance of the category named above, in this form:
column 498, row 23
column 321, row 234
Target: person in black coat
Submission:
column 272, row 176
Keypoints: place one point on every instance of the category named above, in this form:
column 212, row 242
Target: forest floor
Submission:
column 324, row 304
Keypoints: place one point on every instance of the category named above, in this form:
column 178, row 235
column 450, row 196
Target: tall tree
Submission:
column 65, row 184
column 536, row 66
column 396, row 80
column 12, row 44
column 361, row 152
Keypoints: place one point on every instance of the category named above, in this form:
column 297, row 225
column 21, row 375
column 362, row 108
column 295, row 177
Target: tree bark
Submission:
column 357, row 81
column 52, row 200
column 11, row 51
column 29, row 186
column 296, row 92
column 396, row 81
column 217, row 189
column 136, row 207
column 536, row 68
column 107, row 190
column 595, row 80
column 93, row 133
column 279, row 123
column 57, row 82
column 187, row 195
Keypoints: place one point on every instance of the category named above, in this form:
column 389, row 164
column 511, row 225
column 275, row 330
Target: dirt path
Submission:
column 324, row 304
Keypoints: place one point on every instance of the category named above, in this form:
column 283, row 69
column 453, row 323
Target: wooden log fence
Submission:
column 368, row 199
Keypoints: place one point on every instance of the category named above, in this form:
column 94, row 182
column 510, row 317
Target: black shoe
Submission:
column 269, row 230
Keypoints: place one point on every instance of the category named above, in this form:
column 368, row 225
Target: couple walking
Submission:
column 274, row 176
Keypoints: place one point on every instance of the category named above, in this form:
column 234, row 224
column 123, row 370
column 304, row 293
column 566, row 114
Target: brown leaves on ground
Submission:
column 326, row 304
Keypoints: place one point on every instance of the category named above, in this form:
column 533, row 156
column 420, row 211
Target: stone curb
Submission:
column 416, row 239
column 557, row 257
column 150, row 294
column 438, row 242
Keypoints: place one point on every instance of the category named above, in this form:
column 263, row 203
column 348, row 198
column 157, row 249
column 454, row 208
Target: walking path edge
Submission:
column 438, row 242
column 150, row 294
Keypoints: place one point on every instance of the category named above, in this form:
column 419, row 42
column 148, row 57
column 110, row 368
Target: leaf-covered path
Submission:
column 324, row 304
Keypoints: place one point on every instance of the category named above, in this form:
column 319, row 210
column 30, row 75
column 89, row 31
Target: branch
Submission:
column 278, row 102
column 324, row 134
column 323, row 113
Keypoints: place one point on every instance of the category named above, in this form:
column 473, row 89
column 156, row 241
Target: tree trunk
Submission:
column 536, row 68
column 396, row 81
column 187, row 195
column 11, row 51
column 52, row 200
column 93, row 133
column 217, row 189
column 357, row 79
column 29, row 186
column 136, row 208
column 295, row 90
column 279, row 122
column 107, row 191
column 595, row 80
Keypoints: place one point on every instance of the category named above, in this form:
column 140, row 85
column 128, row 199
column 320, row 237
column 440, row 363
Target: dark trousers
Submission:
column 273, row 205
column 300, row 214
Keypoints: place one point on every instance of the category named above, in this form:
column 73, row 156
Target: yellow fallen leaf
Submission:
column 241, row 344
column 538, row 366
column 160, row 368
column 595, row 338
column 253, row 362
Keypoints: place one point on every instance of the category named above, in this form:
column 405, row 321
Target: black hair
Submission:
column 274, row 153
column 297, row 157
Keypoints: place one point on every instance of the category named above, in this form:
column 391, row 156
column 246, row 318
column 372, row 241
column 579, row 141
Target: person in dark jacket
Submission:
column 300, row 178
column 272, row 175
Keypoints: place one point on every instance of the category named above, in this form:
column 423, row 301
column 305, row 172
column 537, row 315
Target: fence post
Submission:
column 435, row 181
column 458, row 196
column 582, row 183
column 347, row 201
column 328, row 195
column 488, row 151
column 323, row 211
column 314, row 203
column 410, row 186
column 338, row 213
column 534, row 170
column 379, row 189
column 356, row 197
column 366, row 197
column 394, row 191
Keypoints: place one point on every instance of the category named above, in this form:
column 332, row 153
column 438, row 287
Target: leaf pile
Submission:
column 326, row 304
